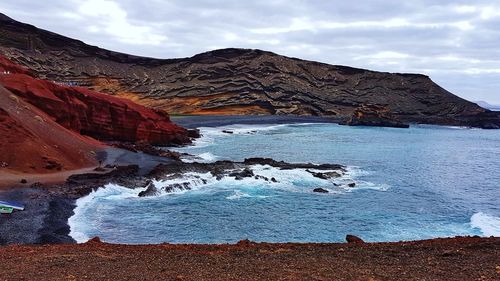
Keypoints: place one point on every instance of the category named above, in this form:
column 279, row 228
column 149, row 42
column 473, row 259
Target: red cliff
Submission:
column 90, row 113
column 48, row 130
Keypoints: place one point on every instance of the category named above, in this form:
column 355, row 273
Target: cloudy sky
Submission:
column 457, row 43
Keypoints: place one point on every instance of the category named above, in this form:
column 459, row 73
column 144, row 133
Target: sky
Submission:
column 456, row 43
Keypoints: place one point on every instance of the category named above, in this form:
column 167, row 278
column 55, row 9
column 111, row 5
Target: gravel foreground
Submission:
column 465, row 258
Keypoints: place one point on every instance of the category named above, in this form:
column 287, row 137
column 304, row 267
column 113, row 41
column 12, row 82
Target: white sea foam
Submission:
column 210, row 133
column 205, row 157
column 488, row 224
column 197, row 181
column 86, row 204
column 237, row 195
column 293, row 180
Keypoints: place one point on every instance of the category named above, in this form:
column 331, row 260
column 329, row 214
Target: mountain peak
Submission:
column 230, row 53
column 238, row 81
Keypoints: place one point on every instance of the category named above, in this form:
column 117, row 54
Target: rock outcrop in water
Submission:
column 374, row 115
column 237, row 81
column 231, row 169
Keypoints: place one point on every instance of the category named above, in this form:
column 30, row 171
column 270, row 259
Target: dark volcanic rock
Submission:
column 237, row 81
column 194, row 133
column 374, row 115
column 320, row 190
column 148, row 149
column 326, row 175
column 238, row 170
column 125, row 175
column 177, row 186
column 151, row 190
column 353, row 239
column 288, row 166
column 239, row 175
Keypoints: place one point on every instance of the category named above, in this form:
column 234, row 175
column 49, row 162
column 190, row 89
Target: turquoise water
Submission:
column 416, row 183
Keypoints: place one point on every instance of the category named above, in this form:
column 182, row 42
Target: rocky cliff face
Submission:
column 31, row 142
column 237, row 81
column 374, row 115
column 100, row 116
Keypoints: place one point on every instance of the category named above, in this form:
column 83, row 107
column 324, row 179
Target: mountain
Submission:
column 46, row 127
column 237, row 81
column 487, row 105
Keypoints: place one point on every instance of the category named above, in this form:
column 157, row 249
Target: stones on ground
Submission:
column 23, row 181
column 39, row 119
column 353, row 239
column 14, row 98
column 53, row 165
column 95, row 240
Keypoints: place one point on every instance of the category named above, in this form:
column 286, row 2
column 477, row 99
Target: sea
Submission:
column 410, row 184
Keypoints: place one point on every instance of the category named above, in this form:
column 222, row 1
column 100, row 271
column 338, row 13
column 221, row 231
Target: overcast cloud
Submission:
column 457, row 43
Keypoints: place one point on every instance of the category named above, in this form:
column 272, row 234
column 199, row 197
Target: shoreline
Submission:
column 49, row 206
column 195, row 121
column 459, row 258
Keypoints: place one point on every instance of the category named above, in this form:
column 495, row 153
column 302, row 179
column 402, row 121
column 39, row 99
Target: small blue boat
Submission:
column 11, row 205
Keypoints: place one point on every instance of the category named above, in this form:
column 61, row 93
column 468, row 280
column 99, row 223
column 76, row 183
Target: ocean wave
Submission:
column 268, row 177
column 205, row 157
column 78, row 228
column 238, row 194
column 209, row 134
column 196, row 181
column 488, row 224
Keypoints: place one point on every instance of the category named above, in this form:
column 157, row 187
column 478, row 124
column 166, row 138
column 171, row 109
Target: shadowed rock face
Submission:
column 374, row 115
column 237, row 81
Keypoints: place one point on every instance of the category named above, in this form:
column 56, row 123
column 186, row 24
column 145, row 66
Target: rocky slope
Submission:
column 461, row 258
column 100, row 116
column 31, row 142
column 47, row 127
column 374, row 115
column 237, row 81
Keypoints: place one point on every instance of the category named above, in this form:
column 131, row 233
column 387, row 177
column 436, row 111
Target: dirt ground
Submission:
column 439, row 259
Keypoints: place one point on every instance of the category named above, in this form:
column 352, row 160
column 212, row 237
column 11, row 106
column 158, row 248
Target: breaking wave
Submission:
column 489, row 225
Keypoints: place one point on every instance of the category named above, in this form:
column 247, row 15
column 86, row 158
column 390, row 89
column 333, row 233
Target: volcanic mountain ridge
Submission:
column 237, row 81
column 46, row 127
